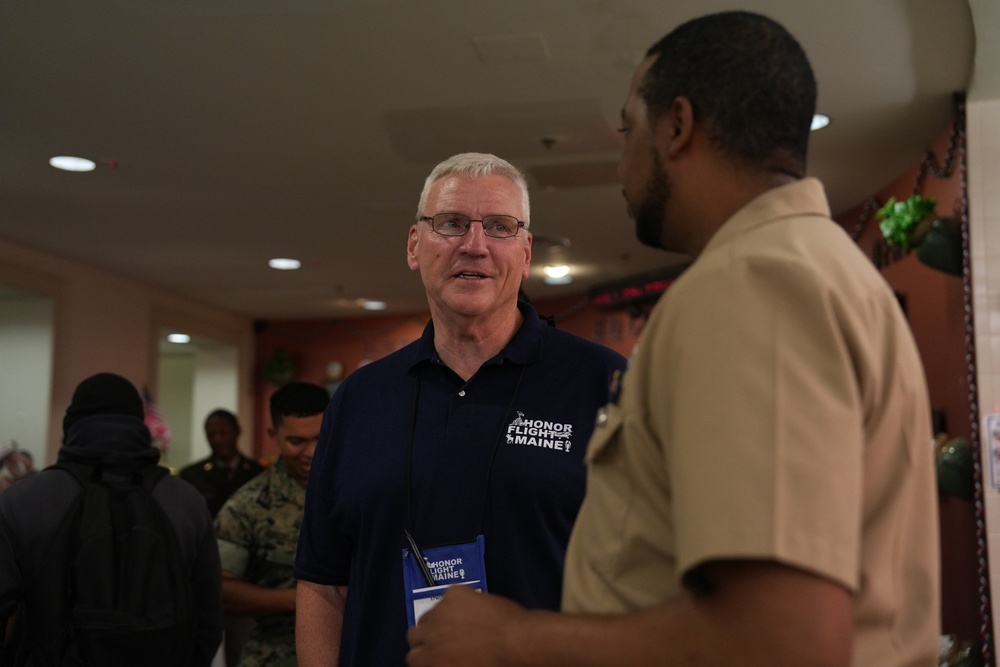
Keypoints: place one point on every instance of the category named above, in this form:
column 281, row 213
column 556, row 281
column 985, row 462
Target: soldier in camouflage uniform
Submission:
column 258, row 529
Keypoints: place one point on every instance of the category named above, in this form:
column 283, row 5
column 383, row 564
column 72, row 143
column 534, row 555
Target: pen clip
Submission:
column 420, row 558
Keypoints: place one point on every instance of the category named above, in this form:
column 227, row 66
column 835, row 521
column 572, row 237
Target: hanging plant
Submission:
column 911, row 224
column 901, row 220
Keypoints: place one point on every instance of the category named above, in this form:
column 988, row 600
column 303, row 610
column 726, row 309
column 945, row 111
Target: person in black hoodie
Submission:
column 103, row 424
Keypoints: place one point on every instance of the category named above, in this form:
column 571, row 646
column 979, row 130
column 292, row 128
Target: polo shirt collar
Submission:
column 524, row 348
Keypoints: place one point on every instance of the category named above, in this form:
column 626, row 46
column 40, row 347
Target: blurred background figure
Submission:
column 218, row 476
column 106, row 442
column 15, row 464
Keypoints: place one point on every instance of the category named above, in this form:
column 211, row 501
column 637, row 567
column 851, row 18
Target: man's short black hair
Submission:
column 223, row 414
column 298, row 399
column 748, row 80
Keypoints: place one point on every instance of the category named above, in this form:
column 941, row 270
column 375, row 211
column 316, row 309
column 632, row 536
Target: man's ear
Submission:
column 527, row 255
column 677, row 126
column 411, row 249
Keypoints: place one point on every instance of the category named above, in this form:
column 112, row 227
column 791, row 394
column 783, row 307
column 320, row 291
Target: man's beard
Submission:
column 650, row 215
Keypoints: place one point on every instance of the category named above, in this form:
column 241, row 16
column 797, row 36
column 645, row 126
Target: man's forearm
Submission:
column 319, row 620
column 246, row 599
column 752, row 614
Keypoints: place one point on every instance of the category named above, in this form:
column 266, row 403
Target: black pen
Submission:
column 420, row 559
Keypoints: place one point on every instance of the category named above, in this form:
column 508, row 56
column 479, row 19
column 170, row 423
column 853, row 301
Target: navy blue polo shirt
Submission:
column 530, row 410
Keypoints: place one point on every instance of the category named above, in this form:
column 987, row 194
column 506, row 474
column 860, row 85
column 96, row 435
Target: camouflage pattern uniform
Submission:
column 258, row 531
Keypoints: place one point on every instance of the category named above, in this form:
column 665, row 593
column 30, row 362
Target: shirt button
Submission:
column 602, row 417
column 461, row 393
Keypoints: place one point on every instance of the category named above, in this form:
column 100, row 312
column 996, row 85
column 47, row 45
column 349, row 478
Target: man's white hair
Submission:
column 477, row 165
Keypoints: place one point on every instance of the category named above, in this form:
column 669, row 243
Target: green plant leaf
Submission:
column 900, row 218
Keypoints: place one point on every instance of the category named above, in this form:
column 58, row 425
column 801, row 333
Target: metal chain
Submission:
column 873, row 204
column 956, row 145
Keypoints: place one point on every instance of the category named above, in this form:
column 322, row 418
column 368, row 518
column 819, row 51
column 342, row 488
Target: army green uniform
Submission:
column 258, row 531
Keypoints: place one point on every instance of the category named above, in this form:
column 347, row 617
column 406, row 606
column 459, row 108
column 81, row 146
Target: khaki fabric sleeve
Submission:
column 762, row 421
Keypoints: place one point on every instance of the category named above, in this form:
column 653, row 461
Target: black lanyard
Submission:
column 410, row 518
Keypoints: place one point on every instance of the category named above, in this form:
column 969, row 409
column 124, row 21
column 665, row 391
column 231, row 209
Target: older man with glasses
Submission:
column 458, row 459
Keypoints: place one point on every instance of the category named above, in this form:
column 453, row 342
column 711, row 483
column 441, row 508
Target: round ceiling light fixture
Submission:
column 70, row 163
column 284, row 263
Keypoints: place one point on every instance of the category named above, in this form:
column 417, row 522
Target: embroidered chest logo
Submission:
column 538, row 433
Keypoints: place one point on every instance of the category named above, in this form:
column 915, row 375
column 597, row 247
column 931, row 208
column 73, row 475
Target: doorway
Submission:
column 195, row 377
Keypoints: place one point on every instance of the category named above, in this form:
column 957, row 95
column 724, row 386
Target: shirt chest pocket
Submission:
column 609, row 491
column 607, row 429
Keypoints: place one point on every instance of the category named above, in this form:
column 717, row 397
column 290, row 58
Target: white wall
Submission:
column 984, row 221
column 214, row 387
column 25, row 372
column 173, row 397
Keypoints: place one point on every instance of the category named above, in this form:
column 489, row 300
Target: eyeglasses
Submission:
column 456, row 224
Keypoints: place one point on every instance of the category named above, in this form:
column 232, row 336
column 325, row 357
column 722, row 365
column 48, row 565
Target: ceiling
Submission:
column 228, row 132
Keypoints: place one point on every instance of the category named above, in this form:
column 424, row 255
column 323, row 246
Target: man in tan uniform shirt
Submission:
column 762, row 490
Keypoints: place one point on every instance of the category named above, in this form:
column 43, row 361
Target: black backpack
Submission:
column 130, row 598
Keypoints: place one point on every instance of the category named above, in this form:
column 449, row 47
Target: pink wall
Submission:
column 314, row 344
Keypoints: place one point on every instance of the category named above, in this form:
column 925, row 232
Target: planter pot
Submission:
column 941, row 246
column 955, row 469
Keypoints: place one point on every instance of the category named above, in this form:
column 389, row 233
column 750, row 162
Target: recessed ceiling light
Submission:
column 556, row 271
column 557, row 275
column 178, row 338
column 284, row 263
column 359, row 302
column 819, row 121
column 70, row 163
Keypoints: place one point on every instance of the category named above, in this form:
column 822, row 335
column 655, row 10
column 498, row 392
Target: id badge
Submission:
column 460, row 564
